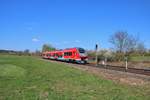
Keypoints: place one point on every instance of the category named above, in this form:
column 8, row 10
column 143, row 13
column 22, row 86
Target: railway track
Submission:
column 123, row 69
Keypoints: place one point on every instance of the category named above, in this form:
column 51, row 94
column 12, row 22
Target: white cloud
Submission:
column 35, row 40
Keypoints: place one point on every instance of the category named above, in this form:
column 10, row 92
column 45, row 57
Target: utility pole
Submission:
column 126, row 61
column 96, row 58
column 105, row 61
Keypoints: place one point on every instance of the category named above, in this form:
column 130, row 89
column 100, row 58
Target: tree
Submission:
column 26, row 52
column 140, row 48
column 126, row 45
column 20, row 53
column 47, row 47
column 123, row 42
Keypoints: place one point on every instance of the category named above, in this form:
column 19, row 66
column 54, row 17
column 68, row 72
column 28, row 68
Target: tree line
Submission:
column 45, row 47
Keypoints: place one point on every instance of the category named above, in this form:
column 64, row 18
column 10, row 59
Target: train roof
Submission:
column 62, row 50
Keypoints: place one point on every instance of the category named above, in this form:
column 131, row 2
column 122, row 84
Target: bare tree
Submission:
column 119, row 40
column 140, row 48
column 123, row 42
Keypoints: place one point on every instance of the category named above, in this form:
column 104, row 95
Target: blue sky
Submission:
column 27, row 24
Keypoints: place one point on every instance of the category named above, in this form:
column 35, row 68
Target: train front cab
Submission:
column 81, row 56
column 77, row 55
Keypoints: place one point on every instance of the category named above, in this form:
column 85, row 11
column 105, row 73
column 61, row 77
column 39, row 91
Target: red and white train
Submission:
column 78, row 55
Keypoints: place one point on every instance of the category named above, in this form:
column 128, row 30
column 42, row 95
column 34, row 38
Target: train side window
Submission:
column 65, row 54
column 70, row 53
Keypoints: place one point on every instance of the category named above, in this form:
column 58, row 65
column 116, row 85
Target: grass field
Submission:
column 140, row 58
column 29, row 78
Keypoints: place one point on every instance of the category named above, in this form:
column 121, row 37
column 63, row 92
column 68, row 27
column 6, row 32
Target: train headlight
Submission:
column 86, row 59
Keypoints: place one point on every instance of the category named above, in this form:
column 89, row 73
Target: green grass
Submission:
column 29, row 78
column 140, row 58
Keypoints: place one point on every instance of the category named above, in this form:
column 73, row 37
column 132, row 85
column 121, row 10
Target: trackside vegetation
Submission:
column 30, row 78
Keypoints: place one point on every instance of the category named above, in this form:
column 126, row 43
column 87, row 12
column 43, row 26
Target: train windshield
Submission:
column 81, row 50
